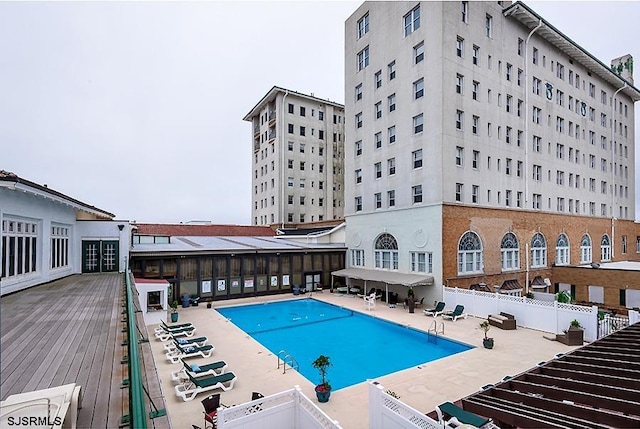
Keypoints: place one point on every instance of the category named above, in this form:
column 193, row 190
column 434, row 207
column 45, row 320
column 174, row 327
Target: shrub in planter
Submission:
column 487, row 342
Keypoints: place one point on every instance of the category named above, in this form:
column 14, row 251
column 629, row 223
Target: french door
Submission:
column 100, row 256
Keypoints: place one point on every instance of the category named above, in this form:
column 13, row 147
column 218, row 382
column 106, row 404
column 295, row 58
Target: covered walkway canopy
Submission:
column 386, row 277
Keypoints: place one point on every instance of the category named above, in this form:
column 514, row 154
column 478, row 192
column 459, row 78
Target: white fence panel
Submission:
column 387, row 412
column 542, row 315
column 634, row 316
column 288, row 409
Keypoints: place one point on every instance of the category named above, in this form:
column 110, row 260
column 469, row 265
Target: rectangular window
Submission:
column 290, row 108
column 59, row 247
column 416, row 192
column 459, row 119
column 418, row 52
column 358, row 176
column 359, row 92
column 459, row 83
column 363, row 25
column 412, row 21
column 459, row 46
column 459, row 156
column 418, row 123
column 391, row 166
column 465, row 11
column 416, row 156
column 377, row 77
column 392, row 70
column 476, row 55
column 537, row 201
column 377, row 198
column 475, row 88
column 475, row 161
column 488, row 25
column 302, row 131
column 475, row 123
column 509, row 71
column 358, row 204
column 363, row 58
column 422, row 262
column 392, row 102
column 391, row 198
column 459, row 189
column 359, row 120
column 357, row 258
column 378, row 109
column 290, row 182
column 378, row 140
column 418, row 89
column 392, row 134
column 358, row 147
column 534, row 56
column 377, row 170
column 303, row 111
column 475, row 192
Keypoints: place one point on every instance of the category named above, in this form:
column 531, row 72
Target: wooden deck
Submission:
column 67, row 331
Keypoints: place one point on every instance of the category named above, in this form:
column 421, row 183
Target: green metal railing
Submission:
column 137, row 410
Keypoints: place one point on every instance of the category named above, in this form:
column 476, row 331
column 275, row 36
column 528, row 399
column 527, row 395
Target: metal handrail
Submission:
column 293, row 363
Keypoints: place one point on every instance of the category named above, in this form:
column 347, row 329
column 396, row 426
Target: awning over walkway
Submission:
column 388, row 277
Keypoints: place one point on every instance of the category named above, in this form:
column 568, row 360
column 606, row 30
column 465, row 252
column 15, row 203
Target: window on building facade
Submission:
column 386, row 252
column 412, row 21
column 605, row 248
column 538, row 251
column 510, row 252
column 418, row 123
column 562, row 250
column 357, row 257
column 363, row 25
column 421, row 262
column 416, row 157
column 391, row 198
column 392, row 70
column 358, row 204
column 418, row 89
column 418, row 53
column 470, row 254
column 363, row 58
column 416, row 192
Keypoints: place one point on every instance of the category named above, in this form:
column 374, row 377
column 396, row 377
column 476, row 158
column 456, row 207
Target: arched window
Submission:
column 585, row 250
column 605, row 248
column 469, row 253
column 510, row 252
column 386, row 252
column 562, row 250
column 538, row 251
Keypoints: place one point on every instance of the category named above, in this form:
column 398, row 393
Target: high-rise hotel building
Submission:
column 483, row 146
column 297, row 167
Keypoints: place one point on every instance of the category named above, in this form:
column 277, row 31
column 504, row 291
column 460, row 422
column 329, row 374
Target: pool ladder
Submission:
column 287, row 359
column 434, row 329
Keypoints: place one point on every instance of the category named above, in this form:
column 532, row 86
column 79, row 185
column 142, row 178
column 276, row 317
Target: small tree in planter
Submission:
column 174, row 311
column 323, row 390
column 487, row 342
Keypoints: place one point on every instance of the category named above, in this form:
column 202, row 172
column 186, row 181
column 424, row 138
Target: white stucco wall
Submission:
column 416, row 230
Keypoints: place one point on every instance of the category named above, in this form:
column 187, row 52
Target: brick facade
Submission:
column 492, row 224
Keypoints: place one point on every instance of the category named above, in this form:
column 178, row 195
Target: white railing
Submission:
column 387, row 412
column 634, row 316
column 547, row 316
column 288, row 409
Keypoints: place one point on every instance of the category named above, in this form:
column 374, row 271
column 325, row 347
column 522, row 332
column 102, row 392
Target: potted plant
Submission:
column 323, row 390
column 174, row 311
column 487, row 342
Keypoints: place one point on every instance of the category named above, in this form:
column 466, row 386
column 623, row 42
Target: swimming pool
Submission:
column 361, row 347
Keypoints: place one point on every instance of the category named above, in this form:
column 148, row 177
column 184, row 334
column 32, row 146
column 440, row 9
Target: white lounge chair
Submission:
column 215, row 368
column 58, row 405
column 370, row 301
column 190, row 351
column 166, row 335
column 437, row 310
column 190, row 388
column 184, row 342
column 457, row 313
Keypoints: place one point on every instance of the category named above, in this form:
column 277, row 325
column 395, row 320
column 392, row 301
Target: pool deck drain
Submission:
column 422, row 387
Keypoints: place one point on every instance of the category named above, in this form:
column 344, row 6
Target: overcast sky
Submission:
column 137, row 108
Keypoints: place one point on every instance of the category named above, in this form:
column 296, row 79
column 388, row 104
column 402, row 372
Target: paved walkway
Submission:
column 422, row 387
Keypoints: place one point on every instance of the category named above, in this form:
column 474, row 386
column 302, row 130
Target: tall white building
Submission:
column 297, row 168
column 482, row 144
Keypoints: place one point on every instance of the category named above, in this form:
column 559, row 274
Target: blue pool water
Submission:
column 360, row 347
